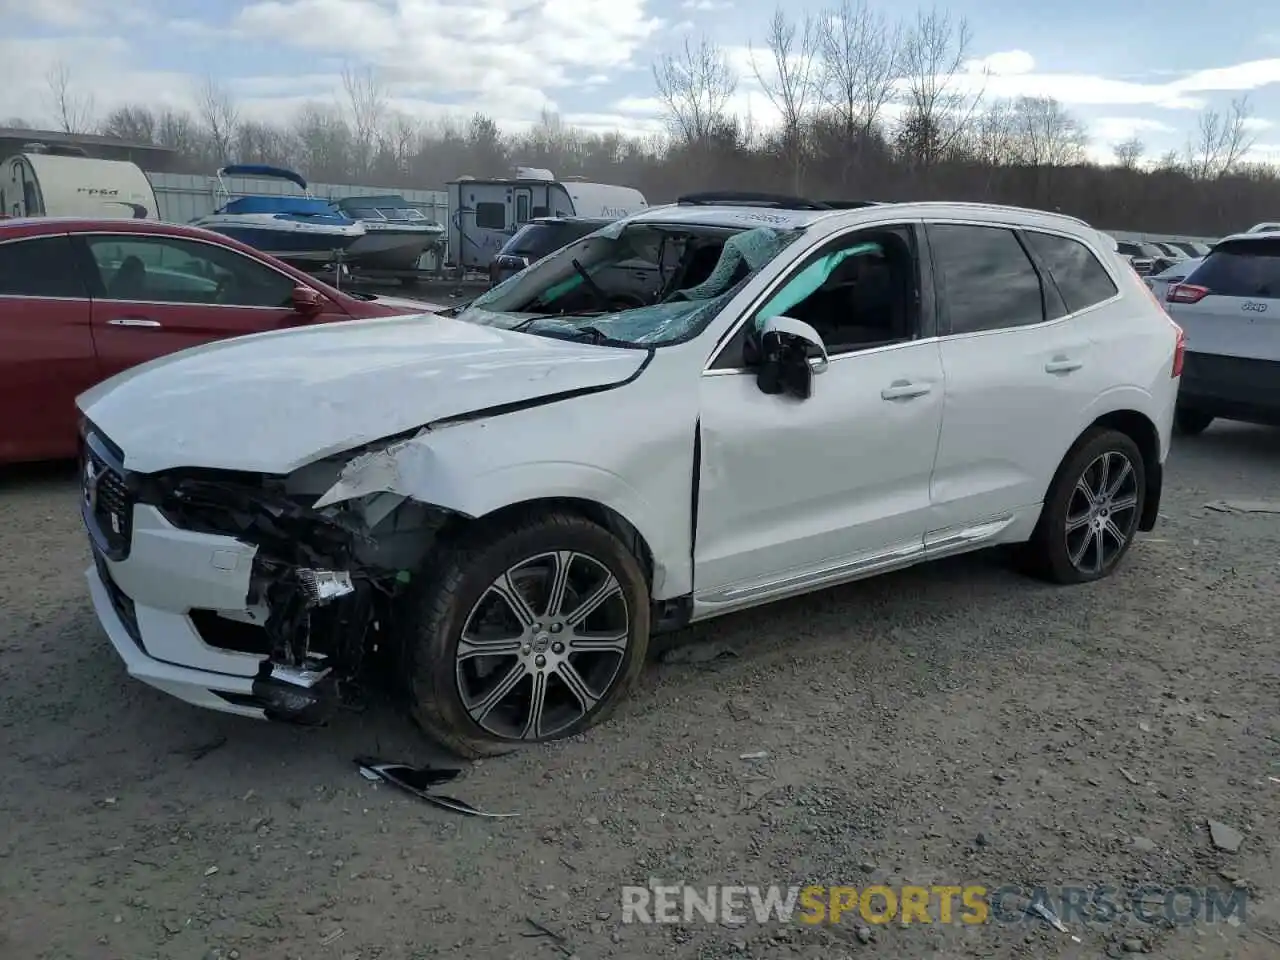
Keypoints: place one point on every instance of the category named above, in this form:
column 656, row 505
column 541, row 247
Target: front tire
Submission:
column 1189, row 422
column 1091, row 514
column 531, row 631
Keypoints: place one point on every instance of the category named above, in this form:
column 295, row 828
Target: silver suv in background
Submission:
column 1229, row 309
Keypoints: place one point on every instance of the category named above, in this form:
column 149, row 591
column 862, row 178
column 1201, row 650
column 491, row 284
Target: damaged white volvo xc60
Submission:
column 699, row 409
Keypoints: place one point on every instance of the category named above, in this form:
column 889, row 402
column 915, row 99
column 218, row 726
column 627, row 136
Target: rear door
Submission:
column 1021, row 369
column 1236, row 312
column 155, row 295
column 46, row 348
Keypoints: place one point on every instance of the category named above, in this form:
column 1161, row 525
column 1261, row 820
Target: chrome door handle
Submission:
column 133, row 322
column 1062, row 365
column 903, row 390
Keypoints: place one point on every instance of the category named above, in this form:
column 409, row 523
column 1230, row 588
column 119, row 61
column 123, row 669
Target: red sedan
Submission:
column 81, row 300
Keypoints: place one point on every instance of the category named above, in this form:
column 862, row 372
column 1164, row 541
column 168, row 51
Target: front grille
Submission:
column 120, row 603
column 106, row 503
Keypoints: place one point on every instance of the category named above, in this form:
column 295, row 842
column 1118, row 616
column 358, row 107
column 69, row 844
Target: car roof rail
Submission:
column 747, row 198
column 852, row 204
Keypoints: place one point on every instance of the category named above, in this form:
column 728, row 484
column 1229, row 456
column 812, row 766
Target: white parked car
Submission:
column 1229, row 307
column 509, row 498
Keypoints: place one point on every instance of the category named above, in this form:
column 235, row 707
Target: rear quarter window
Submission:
column 1245, row 268
column 1080, row 278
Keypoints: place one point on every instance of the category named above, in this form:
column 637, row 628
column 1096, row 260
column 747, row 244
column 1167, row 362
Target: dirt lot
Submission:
column 950, row 725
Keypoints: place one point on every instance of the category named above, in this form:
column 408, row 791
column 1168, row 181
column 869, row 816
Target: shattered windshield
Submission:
column 639, row 284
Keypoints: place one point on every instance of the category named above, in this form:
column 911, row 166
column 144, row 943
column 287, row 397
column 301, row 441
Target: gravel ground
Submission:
column 952, row 724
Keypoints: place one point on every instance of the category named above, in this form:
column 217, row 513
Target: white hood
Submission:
column 272, row 402
column 403, row 303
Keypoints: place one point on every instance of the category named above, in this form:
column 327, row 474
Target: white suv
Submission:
column 508, row 498
column 1229, row 307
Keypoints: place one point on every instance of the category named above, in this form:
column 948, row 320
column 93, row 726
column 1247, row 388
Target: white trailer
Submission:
column 483, row 214
column 67, row 183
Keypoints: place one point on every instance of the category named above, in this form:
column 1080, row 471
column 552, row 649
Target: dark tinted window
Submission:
column 174, row 270
column 1243, row 268
column 491, row 216
column 43, row 267
column 539, row 239
column 1081, row 279
column 987, row 281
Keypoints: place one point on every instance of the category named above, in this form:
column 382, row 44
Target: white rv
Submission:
column 63, row 182
column 483, row 214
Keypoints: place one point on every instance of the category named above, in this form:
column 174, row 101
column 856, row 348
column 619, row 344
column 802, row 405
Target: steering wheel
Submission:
column 225, row 285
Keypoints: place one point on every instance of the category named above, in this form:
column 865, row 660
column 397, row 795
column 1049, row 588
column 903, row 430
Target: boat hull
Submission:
column 382, row 249
column 286, row 240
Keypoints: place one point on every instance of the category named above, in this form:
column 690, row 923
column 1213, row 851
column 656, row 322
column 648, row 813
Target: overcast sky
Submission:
column 1123, row 69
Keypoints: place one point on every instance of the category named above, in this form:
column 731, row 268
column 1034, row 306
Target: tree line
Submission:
column 868, row 107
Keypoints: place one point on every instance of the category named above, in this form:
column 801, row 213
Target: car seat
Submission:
column 130, row 280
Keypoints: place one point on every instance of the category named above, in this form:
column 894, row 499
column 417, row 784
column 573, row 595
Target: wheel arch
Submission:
column 598, row 513
column 1139, row 428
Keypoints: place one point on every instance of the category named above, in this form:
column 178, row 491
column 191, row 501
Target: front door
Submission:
column 794, row 494
column 46, row 348
column 524, row 204
column 155, row 295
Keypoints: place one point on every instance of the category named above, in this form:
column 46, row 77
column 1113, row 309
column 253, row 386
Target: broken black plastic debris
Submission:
column 419, row 780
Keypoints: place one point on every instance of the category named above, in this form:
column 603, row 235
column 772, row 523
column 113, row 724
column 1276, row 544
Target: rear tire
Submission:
column 1189, row 422
column 1091, row 513
column 495, row 589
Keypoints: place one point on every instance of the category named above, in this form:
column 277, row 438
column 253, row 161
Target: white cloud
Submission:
column 60, row 14
column 1257, row 124
column 468, row 50
column 706, row 5
column 1006, row 63
column 98, row 69
column 614, row 123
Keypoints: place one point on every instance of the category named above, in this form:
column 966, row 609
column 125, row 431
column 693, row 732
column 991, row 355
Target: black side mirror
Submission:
column 787, row 354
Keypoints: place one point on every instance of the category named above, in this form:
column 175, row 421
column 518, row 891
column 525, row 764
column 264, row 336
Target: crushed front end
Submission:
column 234, row 592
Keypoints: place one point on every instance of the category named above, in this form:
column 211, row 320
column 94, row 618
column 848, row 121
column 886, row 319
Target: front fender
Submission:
column 429, row 469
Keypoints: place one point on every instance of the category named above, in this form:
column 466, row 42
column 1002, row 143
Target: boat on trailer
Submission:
column 303, row 229
column 396, row 233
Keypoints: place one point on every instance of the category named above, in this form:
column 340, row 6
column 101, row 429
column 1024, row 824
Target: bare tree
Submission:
column 178, row 130
column 790, row 81
column 220, row 117
column 136, row 124
column 1221, row 141
column 1046, row 134
column 399, row 139
column 72, row 112
column 367, row 105
column 324, row 141
column 258, row 142
column 695, row 87
column 1129, row 152
column 860, row 57
column 938, row 109
column 992, row 139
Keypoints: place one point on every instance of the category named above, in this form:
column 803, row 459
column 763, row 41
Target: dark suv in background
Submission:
column 536, row 239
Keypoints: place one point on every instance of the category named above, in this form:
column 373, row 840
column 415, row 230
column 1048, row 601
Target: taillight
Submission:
column 1186, row 293
column 1179, row 352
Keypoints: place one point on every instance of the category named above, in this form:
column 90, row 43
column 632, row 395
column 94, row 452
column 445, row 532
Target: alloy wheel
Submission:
column 543, row 645
column 1102, row 513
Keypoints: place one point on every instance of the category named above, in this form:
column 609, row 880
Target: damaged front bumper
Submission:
column 175, row 611
column 231, row 593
